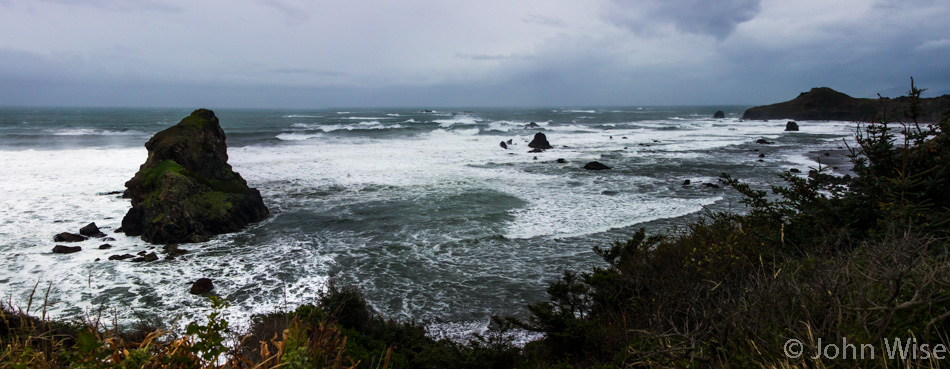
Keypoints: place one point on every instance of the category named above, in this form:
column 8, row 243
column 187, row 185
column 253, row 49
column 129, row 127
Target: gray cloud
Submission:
column 714, row 18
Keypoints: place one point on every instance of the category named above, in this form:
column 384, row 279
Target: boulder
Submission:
column 711, row 185
column 791, row 126
column 561, row 160
column 762, row 141
column 150, row 257
column 60, row 249
column 595, row 165
column 68, row 237
column 91, row 230
column 531, row 125
column 686, row 182
column 200, row 286
column 540, row 141
column 121, row 257
column 503, row 145
column 186, row 191
column 719, row 114
column 794, row 170
column 105, row 246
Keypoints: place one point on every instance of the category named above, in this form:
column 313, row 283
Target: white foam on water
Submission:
column 458, row 119
column 297, row 136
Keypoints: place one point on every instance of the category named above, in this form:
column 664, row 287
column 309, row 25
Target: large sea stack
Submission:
column 186, row 191
column 823, row 103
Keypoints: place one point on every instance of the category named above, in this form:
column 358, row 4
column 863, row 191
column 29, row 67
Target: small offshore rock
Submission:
column 531, row 125
column 561, row 160
column 105, row 246
column 121, row 257
column 761, row 155
column 763, row 142
column 794, row 170
column 719, row 114
column 60, row 249
column 791, row 126
column 91, row 230
column 503, row 145
column 686, row 183
column 147, row 258
column 540, row 141
column 711, row 185
column 595, row 165
column 68, row 237
column 200, row 286
column 509, row 142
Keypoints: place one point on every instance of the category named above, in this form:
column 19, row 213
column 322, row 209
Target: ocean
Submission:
column 423, row 211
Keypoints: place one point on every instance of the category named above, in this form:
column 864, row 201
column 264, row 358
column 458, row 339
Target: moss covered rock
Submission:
column 186, row 191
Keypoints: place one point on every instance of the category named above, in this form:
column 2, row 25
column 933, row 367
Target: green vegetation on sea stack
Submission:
column 820, row 260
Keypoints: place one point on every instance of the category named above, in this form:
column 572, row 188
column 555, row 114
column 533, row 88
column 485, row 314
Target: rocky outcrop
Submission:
column 791, row 126
column 60, row 249
column 68, row 237
column 823, row 103
column 763, row 141
column 186, row 191
column 503, row 145
column 91, row 230
column 202, row 285
column 595, row 165
column 540, row 141
column 719, row 114
column 531, row 125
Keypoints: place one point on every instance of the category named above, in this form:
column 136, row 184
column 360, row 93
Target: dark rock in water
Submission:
column 794, row 170
column 68, row 237
column 827, row 154
column 426, row 111
column 761, row 155
column 200, row 286
column 146, row 258
column 173, row 250
column 142, row 253
column 60, row 249
column 791, row 126
column 509, row 142
column 595, row 165
column 540, row 141
column 121, row 257
column 763, row 142
column 531, row 125
column 126, row 194
column 110, row 193
column 686, row 183
column 186, row 190
column 105, row 246
column 537, row 149
column 719, row 114
column 535, row 158
column 561, row 160
column 91, row 230
column 711, row 185
column 503, row 145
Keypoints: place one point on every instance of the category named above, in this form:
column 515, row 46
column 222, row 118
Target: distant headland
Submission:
column 823, row 103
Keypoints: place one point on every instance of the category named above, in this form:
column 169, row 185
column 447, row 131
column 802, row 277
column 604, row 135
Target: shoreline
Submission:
column 837, row 160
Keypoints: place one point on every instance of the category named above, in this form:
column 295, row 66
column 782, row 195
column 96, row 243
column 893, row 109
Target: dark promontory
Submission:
column 823, row 103
column 186, row 190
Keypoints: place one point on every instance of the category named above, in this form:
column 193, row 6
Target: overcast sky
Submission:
column 422, row 53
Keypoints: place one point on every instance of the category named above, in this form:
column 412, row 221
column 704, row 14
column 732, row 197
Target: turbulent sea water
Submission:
column 424, row 211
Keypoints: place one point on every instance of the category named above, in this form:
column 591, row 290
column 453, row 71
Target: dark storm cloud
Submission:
column 714, row 18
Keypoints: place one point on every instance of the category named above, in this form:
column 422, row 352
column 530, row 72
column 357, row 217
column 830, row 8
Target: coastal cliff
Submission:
column 186, row 191
column 823, row 103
